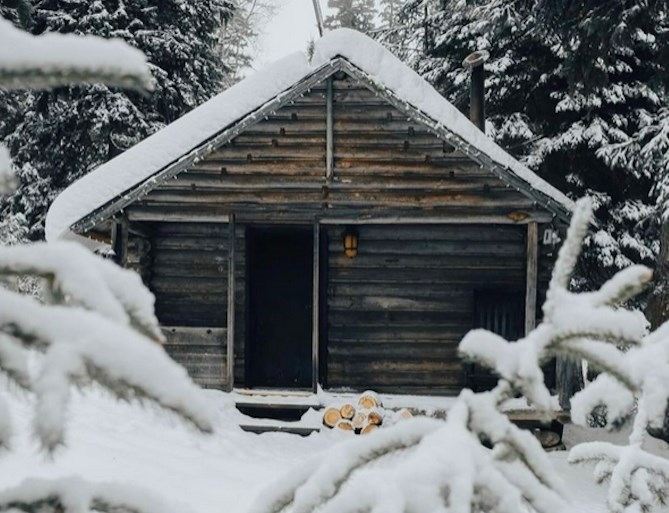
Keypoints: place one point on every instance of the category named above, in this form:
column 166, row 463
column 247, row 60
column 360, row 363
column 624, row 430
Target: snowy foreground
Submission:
column 110, row 441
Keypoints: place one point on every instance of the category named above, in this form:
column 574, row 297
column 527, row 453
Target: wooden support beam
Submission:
column 426, row 219
column 329, row 132
column 120, row 241
column 315, row 302
column 531, row 276
column 230, row 361
column 174, row 215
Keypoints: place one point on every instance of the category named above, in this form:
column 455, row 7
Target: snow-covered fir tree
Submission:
column 559, row 124
column 238, row 42
column 389, row 12
column 63, row 133
column 355, row 14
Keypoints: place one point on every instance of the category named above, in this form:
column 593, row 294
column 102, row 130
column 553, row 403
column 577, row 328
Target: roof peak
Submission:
column 95, row 195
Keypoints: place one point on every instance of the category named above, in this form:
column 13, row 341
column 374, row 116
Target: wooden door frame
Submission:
column 317, row 310
column 315, row 306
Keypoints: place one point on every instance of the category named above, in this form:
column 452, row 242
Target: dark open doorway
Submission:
column 280, row 285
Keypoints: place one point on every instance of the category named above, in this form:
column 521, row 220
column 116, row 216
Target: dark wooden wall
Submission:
column 188, row 273
column 398, row 310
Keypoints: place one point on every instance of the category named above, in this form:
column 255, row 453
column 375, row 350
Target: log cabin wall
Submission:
column 396, row 312
column 189, row 277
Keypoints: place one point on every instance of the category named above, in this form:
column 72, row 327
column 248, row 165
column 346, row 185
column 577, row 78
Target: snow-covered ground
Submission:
column 111, row 441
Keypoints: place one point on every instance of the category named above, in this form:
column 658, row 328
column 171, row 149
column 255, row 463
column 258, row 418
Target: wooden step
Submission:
column 283, row 428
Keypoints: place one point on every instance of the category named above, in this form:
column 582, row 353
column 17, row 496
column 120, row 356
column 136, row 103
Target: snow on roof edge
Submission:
column 167, row 146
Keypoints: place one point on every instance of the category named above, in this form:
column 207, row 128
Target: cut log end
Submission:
column 369, row 399
column 347, row 411
column 368, row 429
column 331, row 417
column 359, row 420
column 375, row 417
column 345, row 425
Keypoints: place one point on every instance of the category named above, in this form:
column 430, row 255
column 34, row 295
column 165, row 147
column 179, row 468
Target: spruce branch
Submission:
column 14, row 362
column 82, row 344
column 75, row 495
column 570, row 250
column 69, row 270
column 318, row 485
column 52, row 59
column 603, row 357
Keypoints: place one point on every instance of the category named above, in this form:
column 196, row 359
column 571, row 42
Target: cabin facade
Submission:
column 345, row 228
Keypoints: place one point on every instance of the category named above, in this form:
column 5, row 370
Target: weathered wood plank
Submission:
column 194, row 336
column 231, row 306
column 532, row 262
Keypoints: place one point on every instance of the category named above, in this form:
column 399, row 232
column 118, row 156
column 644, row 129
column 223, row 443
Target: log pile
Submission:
column 363, row 418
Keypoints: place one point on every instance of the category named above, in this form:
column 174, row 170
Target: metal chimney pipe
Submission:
column 474, row 62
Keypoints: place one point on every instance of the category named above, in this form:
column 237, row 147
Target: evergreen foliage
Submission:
column 354, row 14
column 61, row 134
column 389, row 12
column 570, row 86
column 239, row 37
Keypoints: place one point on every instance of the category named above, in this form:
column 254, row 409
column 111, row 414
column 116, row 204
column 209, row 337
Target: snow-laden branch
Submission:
column 74, row 495
column 81, row 278
column 49, row 60
column 83, row 345
column 427, row 465
column 589, row 326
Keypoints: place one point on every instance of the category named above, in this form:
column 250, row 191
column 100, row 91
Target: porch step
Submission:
column 280, row 411
column 286, row 405
column 279, row 428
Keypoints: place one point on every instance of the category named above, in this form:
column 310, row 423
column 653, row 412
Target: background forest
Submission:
column 576, row 90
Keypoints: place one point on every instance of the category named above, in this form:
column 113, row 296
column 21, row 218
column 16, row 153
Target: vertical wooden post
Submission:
column 329, row 131
column 120, row 241
column 531, row 276
column 315, row 306
column 230, row 349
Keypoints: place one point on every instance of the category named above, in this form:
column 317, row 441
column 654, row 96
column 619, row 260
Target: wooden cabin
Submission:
column 331, row 222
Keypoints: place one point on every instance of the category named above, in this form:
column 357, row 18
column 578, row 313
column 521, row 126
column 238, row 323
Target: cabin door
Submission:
column 280, row 282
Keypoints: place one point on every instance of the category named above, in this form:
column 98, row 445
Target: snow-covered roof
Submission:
column 113, row 182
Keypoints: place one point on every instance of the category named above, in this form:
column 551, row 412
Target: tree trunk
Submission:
column 657, row 310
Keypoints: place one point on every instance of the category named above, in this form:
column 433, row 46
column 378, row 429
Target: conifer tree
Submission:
column 389, row 12
column 65, row 132
column 239, row 37
column 563, row 125
column 354, row 14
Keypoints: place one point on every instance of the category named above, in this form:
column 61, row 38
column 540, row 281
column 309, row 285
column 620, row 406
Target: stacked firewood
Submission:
column 363, row 418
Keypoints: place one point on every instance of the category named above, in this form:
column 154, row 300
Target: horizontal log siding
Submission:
column 201, row 351
column 397, row 311
column 189, row 280
column 384, row 165
column 139, row 256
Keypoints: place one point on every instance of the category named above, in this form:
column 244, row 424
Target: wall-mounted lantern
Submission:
column 350, row 242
